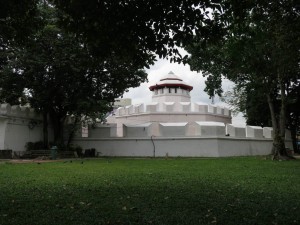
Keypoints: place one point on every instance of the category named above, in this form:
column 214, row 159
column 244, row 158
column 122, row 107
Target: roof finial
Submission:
column 171, row 72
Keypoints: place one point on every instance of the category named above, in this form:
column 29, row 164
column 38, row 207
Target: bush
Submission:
column 77, row 149
column 90, row 152
column 30, row 146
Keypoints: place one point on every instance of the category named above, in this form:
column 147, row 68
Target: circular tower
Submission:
column 170, row 88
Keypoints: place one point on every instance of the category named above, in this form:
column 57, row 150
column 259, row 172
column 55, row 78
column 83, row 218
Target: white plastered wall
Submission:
column 175, row 146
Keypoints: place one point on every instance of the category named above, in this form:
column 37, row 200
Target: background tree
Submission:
column 18, row 19
column 293, row 113
column 261, row 48
column 255, row 109
column 251, row 104
column 59, row 77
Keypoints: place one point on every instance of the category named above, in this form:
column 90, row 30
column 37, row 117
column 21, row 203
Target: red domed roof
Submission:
column 171, row 80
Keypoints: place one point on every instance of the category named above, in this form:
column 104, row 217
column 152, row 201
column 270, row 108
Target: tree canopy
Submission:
column 138, row 28
column 260, row 49
column 17, row 21
column 58, row 76
column 80, row 55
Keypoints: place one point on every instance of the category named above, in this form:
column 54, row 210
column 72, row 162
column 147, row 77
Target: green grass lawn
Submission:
column 246, row 190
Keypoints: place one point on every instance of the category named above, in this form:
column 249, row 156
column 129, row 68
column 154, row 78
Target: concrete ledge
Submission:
column 104, row 131
column 129, row 109
column 24, row 111
column 168, row 106
column 235, row 131
column 268, row 132
column 211, row 128
column 153, row 107
column 5, row 109
column 220, row 110
column 254, row 132
column 15, row 110
column 139, row 108
column 200, row 108
column 184, row 106
column 120, row 111
column 139, row 130
column 212, row 109
column 173, row 129
column 227, row 112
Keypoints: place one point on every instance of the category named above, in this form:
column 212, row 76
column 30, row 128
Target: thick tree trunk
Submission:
column 282, row 117
column 278, row 143
column 278, row 122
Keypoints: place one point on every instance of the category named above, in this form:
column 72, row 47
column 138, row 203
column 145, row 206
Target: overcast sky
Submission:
column 162, row 67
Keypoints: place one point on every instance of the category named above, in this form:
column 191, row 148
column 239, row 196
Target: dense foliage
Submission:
column 251, row 103
column 137, row 29
column 57, row 75
column 17, row 21
column 80, row 55
column 258, row 51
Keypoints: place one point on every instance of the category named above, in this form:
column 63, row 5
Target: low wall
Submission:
column 19, row 125
column 173, row 147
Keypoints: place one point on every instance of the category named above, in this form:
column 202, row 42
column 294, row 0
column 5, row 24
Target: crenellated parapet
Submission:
column 197, row 129
column 173, row 107
column 16, row 111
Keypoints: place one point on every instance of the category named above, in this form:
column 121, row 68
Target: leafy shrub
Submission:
column 30, row 146
column 90, row 152
column 77, row 149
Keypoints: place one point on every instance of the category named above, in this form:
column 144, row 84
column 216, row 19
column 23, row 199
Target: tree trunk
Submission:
column 282, row 117
column 45, row 129
column 294, row 137
column 57, row 122
column 73, row 130
column 278, row 122
column 278, row 143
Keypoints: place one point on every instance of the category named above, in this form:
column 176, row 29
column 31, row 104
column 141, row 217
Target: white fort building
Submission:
column 171, row 125
column 171, row 108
